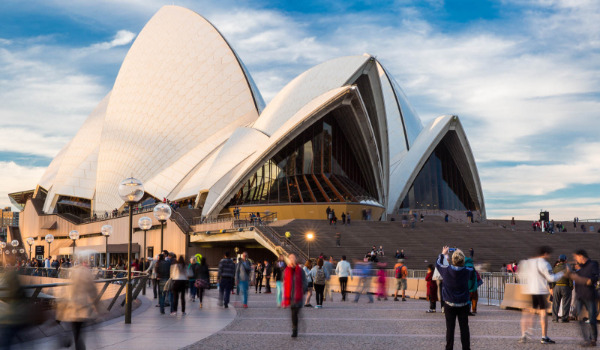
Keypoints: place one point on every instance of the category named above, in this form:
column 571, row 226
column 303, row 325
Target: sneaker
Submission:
column 294, row 333
column 183, row 314
column 588, row 344
column 564, row 320
column 162, row 312
column 403, row 299
column 396, row 299
column 226, row 306
column 200, row 306
column 430, row 311
column 547, row 340
column 523, row 339
column 307, row 305
column 245, row 306
column 174, row 313
column 471, row 314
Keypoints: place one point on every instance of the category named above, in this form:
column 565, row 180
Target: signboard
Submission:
column 39, row 252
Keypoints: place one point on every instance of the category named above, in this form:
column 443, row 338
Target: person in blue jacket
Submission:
column 455, row 291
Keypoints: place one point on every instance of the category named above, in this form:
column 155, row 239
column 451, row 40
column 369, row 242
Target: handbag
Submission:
column 201, row 284
column 168, row 285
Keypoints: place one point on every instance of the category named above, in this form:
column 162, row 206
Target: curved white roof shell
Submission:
column 185, row 117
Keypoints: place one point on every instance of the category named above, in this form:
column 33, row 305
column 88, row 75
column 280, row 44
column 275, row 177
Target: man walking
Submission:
column 225, row 277
column 343, row 270
column 363, row 271
column 537, row 272
column 278, row 275
column 242, row 277
column 268, row 272
column 401, row 274
column 328, row 266
column 561, row 291
column 585, row 282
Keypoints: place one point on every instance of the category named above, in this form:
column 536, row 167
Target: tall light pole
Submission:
column 106, row 230
column 309, row 237
column 30, row 242
column 162, row 213
column 3, row 245
column 145, row 223
column 49, row 239
column 14, row 243
column 74, row 235
column 131, row 191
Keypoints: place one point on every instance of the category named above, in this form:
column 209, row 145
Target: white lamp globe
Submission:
column 131, row 190
column 106, row 230
column 14, row 243
column 74, row 235
column 7, row 252
column 2, row 245
column 49, row 238
column 30, row 240
column 162, row 212
column 145, row 223
column 14, row 251
column 22, row 251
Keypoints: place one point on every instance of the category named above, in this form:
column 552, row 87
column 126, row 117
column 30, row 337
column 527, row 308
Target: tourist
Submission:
column 338, row 239
column 278, row 276
column 537, row 272
column 330, row 216
column 327, row 211
column 348, row 218
column 295, row 286
column 179, row 280
column 242, row 277
column 455, row 291
column 307, row 267
column 343, row 270
column 163, row 273
column 381, row 282
column 343, row 218
column 193, row 273
column 380, row 251
column 401, row 274
column 319, row 276
column 225, row 277
column 513, row 223
column 404, row 221
column 328, row 266
column 432, row 294
column 504, row 269
column 203, row 281
column 471, row 252
column 585, row 283
column 267, row 273
column 364, row 274
column 561, row 291
column 446, row 220
column 258, row 278
column 473, row 286
column 439, row 282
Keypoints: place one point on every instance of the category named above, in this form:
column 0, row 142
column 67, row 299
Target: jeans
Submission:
column 161, row 295
column 343, row 284
column 258, row 285
column 178, row 292
column 267, row 284
column 155, row 287
column 193, row 289
column 295, row 314
column 561, row 293
column 363, row 287
column 225, row 287
column 279, row 291
column 319, row 289
column 462, row 313
column 243, row 286
column 590, row 305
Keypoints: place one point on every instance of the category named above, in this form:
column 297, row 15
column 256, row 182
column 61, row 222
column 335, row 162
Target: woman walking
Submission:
column 319, row 275
column 178, row 282
column 193, row 270
column 294, row 287
column 259, row 272
column 203, row 281
column 307, row 267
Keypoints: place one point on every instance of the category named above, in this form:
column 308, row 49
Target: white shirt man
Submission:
column 343, row 270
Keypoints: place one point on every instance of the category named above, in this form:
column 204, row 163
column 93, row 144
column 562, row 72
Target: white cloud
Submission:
column 14, row 178
column 123, row 37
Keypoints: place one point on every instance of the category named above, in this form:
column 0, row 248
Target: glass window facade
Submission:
column 439, row 185
column 318, row 166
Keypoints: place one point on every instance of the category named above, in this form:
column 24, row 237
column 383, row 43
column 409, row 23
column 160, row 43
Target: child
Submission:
column 431, row 289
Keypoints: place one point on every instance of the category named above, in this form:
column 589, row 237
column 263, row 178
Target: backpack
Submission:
column 320, row 276
column 401, row 272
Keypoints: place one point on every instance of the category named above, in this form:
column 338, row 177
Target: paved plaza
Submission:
column 345, row 325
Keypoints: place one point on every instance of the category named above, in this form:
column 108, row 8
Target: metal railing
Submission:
column 108, row 277
column 244, row 219
column 270, row 235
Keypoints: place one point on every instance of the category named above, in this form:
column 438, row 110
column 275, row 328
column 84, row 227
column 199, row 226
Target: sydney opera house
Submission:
column 185, row 117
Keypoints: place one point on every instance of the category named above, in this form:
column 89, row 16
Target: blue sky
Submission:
column 523, row 75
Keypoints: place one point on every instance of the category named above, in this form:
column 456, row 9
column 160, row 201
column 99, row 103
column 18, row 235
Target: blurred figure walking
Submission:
column 294, row 287
column 14, row 315
column 364, row 273
column 242, row 276
column 77, row 304
column 585, row 291
column 278, row 276
column 226, row 278
column 307, row 267
column 179, row 281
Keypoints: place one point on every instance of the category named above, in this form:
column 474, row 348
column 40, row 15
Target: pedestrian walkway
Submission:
column 150, row 330
column 378, row 325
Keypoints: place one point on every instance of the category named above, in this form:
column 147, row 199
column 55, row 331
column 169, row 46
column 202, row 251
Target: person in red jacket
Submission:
column 431, row 289
column 294, row 287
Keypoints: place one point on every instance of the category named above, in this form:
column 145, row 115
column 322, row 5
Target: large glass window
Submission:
column 439, row 185
column 317, row 166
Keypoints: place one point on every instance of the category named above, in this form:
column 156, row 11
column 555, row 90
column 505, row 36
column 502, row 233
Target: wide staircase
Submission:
column 492, row 243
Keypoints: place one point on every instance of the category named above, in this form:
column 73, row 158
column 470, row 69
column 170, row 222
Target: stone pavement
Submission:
column 380, row 325
column 149, row 329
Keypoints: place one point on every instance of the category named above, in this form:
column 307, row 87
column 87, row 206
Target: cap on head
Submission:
column 562, row 257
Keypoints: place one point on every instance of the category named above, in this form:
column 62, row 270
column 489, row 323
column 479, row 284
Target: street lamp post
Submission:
column 309, row 237
column 106, row 230
column 30, row 242
column 162, row 213
column 74, row 235
column 49, row 239
column 3, row 245
column 131, row 191
column 14, row 243
column 145, row 223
